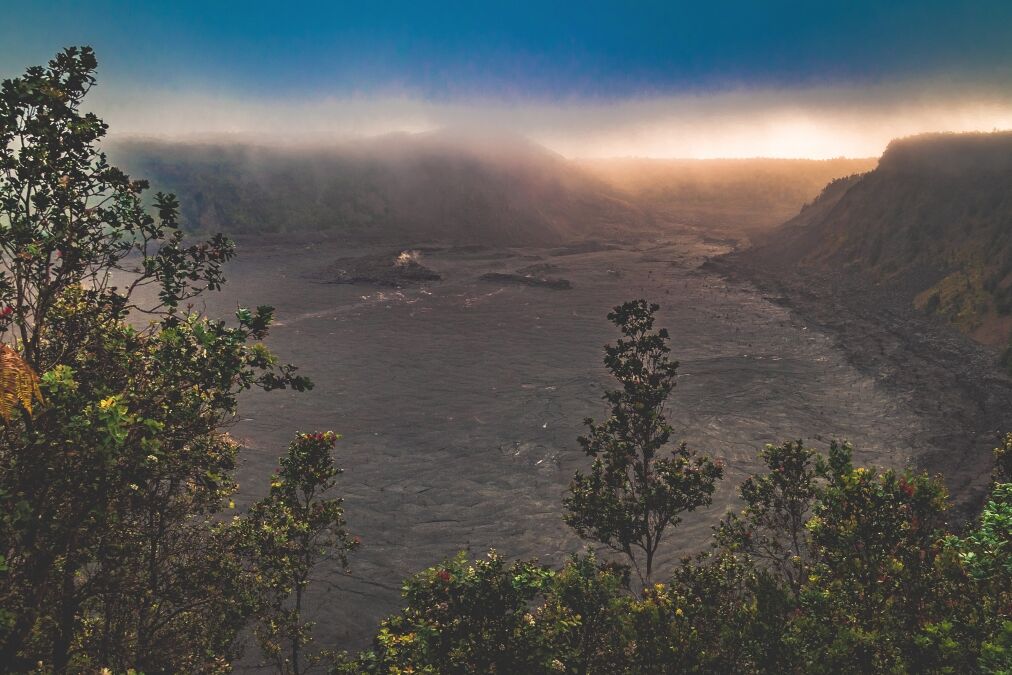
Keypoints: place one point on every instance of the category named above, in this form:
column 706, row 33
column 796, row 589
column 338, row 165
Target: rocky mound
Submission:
column 393, row 269
column 539, row 269
column 527, row 280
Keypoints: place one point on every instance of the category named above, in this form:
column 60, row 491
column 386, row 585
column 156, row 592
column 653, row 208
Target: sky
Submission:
column 821, row 78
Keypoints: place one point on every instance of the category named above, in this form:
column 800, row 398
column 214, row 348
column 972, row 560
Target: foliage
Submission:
column 772, row 528
column 876, row 539
column 71, row 219
column 983, row 556
column 635, row 490
column 114, row 549
column 490, row 616
column 871, row 582
column 987, row 551
column 285, row 536
column 19, row 385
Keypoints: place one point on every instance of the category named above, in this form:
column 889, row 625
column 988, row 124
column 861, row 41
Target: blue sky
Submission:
column 588, row 55
column 517, row 49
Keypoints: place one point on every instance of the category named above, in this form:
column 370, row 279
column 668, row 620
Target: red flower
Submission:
column 6, row 311
column 444, row 576
column 906, row 487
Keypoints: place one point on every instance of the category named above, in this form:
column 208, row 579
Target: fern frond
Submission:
column 19, row 385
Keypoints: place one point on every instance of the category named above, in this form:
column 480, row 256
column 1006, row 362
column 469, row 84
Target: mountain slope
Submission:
column 934, row 219
column 401, row 189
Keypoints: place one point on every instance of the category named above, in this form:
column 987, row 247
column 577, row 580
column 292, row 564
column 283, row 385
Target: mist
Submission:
column 815, row 123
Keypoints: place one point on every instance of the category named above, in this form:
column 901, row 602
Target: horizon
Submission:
column 661, row 80
column 250, row 140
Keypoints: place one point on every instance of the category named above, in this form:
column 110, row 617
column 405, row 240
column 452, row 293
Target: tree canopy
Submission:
column 116, row 468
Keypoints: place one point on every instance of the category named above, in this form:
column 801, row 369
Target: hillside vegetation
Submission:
column 934, row 219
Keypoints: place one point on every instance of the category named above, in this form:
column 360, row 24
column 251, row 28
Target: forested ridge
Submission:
column 121, row 549
column 401, row 188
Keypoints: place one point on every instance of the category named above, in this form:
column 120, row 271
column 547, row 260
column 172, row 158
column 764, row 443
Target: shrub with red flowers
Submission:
column 874, row 582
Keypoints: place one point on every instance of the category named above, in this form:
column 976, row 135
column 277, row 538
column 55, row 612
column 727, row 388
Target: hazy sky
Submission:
column 816, row 78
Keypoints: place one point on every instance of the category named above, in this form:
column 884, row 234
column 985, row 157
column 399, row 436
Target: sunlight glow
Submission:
column 814, row 123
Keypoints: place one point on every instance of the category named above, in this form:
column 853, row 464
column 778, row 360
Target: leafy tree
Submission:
column 583, row 621
column 739, row 597
column 636, row 488
column 983, row 555
column 112, row 492
column 718, row 614
column 772, row 528
column 490, row 616
column 875, row 584
column 285, row 536
column 996, row 653
column 463, row 617
column 71, row 219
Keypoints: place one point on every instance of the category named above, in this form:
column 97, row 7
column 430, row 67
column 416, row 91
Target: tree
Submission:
column 984, row 556
column 490, row 616
column 286, row 536
column 71, row 219
column 112, row 491
column 636, row 489
column 876, row 587
column 772, row 528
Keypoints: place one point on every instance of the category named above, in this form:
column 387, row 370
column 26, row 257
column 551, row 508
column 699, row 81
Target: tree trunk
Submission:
column 65, row 626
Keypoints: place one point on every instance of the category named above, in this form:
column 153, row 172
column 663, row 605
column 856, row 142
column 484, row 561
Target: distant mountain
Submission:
column 457, row 188
column 401, row 189
column 935, row 219
column 733, row 195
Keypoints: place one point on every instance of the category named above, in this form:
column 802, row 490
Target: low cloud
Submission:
column 814, row 122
